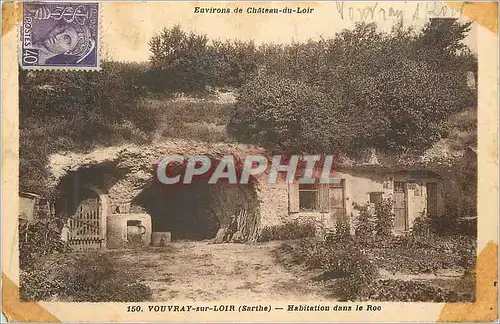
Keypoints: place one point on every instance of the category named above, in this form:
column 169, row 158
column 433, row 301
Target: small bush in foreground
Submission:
column 353, row 266
column 423, row 254
column 355, row 270
column 288, row 231
column 38, row 239
column 343, row 261
column 81, row 278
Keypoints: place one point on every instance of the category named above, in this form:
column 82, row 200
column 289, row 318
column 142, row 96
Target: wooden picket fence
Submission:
column 85, row 232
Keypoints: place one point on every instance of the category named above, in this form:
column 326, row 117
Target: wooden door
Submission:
column 431, row 198
column 400, row 207
column 337, row 203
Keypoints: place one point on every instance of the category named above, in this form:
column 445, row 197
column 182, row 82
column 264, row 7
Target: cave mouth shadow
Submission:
column 194, row 211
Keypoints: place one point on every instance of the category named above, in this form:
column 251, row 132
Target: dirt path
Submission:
column 200, row 271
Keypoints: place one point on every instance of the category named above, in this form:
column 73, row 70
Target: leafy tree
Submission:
column 378, row 91
column 233, row 62
column 282, row 114
column 440, row 44
column 179, row 61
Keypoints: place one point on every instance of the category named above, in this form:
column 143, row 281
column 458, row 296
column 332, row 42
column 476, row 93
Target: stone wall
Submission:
column 239, row 200
column 358, row 184
column 273, row 204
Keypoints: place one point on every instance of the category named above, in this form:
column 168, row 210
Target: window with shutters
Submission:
column 308, row 197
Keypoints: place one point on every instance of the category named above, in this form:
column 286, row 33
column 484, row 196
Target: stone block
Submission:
column 160, row 238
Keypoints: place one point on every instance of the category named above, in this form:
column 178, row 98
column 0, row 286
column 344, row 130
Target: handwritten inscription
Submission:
column 382, row 12
column 371, row 12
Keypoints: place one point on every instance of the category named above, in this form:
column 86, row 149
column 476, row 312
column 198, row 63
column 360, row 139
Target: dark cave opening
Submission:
column 196, row 211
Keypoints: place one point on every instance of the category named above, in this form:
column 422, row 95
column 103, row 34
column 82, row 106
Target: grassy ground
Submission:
column 199, row 271
column 403, row 270
column 191, row 118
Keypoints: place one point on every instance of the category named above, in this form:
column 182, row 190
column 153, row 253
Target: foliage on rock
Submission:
column 74, row 111
column 282, row 114
column 384, row 90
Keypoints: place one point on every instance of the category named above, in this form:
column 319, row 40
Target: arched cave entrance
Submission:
column 82, row 203
column 196, row 211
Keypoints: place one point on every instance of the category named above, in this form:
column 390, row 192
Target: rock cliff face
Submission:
column 126, row 170
column 136, row 163
column 126, row 174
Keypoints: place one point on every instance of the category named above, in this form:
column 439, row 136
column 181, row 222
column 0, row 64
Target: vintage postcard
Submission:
column 249, row 161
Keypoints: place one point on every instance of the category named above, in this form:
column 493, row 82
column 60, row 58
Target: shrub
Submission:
column 384, row 217
column 91, row 277
column 304, row 252
column 421, row 225
column 288, row 231
column 36, row 283
column 407, row 291
column 390, row 73
column 342, row 261
column 423, row 254
column 318, row 255
column 342, row 231
column 355, row 270
column 38, row 239
column 365, row 226
column 444, row 225
column 180, row 62
column 234, row 62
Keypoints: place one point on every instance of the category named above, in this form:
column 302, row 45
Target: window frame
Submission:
column 315, row 188
column 373, row 193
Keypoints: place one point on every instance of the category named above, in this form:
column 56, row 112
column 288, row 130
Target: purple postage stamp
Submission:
column 60, row 35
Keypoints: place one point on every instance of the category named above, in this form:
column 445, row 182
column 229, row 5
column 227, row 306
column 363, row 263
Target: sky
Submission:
column 128, row 27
